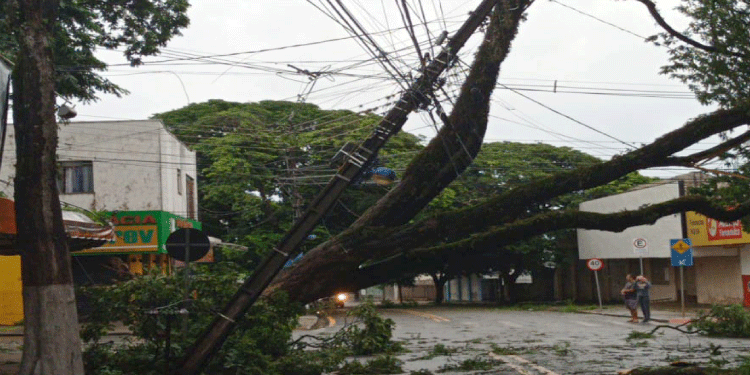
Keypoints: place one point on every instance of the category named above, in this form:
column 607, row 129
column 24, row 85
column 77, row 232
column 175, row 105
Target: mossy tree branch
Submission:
column 424, row 259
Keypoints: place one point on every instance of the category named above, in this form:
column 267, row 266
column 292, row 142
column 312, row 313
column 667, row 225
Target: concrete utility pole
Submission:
column 417, row 94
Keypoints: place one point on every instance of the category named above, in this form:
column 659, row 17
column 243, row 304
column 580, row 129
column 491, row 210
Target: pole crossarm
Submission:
column 416, row 96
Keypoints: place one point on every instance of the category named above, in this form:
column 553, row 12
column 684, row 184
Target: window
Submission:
column 76, row 177
column 660, row 270
column 190, row 196
column 179, row 181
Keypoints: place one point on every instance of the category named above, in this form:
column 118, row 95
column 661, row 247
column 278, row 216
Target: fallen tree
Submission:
column 385, row 241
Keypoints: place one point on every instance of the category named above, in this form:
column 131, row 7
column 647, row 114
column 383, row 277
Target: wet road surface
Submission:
column 539, row 342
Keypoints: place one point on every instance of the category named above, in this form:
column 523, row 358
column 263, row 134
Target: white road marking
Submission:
column 510, row 364
column 521, row 364
column 432, row 317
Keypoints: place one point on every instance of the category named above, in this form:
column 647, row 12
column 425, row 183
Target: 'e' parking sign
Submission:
column 682, row 252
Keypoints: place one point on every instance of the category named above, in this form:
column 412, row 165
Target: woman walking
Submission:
column 631, row 302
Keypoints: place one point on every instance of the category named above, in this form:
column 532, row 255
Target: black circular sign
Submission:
column 184, row 239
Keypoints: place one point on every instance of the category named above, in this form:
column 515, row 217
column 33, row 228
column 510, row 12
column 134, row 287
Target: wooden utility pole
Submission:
column 417, row 94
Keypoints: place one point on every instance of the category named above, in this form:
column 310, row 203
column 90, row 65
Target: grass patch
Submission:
column 562, row 348
column 472, row 364
column 533, row 307
column 505, row 350
column 570, row 307
column 637, row 335
column 439, row 350
column 386, row 364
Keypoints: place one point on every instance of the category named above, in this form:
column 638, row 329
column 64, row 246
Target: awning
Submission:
column 82, row 232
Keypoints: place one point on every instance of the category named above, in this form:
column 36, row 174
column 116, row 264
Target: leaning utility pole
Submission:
column 416, row 95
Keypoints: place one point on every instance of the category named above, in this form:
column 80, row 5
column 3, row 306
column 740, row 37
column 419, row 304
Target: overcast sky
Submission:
column 567, row 42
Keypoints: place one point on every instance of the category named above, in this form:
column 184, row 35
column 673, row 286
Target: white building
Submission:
column 721, row 270
column 119, row 166
column 618, row 251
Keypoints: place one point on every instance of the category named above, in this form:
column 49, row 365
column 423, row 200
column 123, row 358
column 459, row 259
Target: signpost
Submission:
column 595, row 264
column 682, row 256
column 640, row 247
column 187, row 244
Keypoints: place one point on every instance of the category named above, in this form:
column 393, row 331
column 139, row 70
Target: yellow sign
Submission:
column 681, row 247
column 130, row 238
column 704, row 231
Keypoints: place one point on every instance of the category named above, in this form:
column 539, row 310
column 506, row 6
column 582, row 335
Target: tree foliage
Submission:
column 258, row 160
column 144, row 305
column 712, row 54
column 52, row 45
column 139, row 27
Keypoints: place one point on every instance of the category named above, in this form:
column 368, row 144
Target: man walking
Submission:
column 641, row 292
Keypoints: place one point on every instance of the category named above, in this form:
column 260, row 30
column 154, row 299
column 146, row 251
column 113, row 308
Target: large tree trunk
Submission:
column 323, row 270
column 439, row 280
column 51, row 334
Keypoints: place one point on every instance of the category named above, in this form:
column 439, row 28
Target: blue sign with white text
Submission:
column 682, row 252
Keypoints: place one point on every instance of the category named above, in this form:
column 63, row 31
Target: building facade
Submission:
column 136, row 171
column 119, row 166
column 721, row 251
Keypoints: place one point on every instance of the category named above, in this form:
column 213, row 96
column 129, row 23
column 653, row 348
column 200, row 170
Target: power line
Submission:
column 570, row 118
column 599, row 19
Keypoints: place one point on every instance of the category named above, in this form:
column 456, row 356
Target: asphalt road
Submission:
column 538, row 342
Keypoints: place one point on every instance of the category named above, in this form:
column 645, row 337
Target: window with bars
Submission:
column 76, row 177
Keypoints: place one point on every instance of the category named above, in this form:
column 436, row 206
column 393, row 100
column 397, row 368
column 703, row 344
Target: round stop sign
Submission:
column 595, row 264
column 188, row 244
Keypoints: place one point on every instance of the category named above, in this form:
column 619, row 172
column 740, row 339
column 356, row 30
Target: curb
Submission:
column 592, row 312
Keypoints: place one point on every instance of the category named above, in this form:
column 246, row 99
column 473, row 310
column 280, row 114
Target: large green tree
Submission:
column 52, row 45
column 261, row 162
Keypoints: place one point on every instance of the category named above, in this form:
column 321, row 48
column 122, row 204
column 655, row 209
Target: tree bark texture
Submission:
column 51, row 334
column 444, row 158
column 439, row 281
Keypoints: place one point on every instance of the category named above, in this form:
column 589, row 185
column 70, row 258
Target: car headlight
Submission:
column 341, row 297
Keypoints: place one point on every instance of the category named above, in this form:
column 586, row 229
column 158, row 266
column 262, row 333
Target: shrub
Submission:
column 724, row 321
column 381, row 365
column 261, row 337
column 369, row 333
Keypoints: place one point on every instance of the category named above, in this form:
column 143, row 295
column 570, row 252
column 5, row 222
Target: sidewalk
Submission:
column 661, row 312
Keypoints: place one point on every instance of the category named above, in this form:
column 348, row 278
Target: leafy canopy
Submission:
column 138, row 27
column 258, row 160
column 721, row 74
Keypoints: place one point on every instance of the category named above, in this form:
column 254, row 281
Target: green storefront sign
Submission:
column 141, row 232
